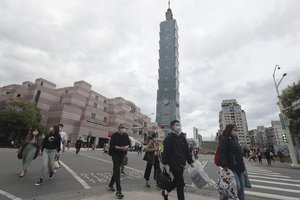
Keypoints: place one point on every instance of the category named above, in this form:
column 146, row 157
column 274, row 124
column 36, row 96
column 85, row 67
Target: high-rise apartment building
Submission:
column 232, row 113
column 167, row 106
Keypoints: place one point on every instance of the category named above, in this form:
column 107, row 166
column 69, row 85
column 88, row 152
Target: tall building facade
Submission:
column 167, row 106
column 83, row 111
column 232, row 113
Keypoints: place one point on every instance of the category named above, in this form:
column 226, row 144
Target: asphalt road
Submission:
column 87, row 174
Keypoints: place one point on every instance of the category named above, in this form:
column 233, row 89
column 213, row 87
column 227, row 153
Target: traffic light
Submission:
column 284, row 138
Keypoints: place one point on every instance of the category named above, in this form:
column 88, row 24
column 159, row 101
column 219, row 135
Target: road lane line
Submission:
column 273, row 178
column 109, row 162
column 8, row 195
column 80, row 180
column 275, row 183
column 275, row 188
column 272, row 196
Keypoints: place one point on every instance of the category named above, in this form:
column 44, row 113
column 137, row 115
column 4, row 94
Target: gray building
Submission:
column 167, row 106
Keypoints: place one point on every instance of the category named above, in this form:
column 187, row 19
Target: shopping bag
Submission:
column 164, row 180
column 227, row 185
column 198, row 175
column 56, row 165
column 247, row 181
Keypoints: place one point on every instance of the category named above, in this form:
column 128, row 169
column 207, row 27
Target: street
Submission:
column 87, row 174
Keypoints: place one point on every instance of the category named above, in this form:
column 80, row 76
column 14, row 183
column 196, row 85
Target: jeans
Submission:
column 117, row 161
column 48, row 159
column 178, row 181
column 240, row 181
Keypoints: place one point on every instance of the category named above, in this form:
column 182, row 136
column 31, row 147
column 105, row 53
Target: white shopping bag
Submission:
column 227, row 186
column 198, row 175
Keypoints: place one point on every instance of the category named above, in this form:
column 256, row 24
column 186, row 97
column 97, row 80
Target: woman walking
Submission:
column 152, row 158
column 232, row 158
column 50, row 147
column 29, row 149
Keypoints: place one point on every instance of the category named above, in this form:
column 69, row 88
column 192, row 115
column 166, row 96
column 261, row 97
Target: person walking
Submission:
column 152, row 157
column 268, row 156
column 29, row 149
column 78, row 145
column 232, row 157
column 259, row 156
column 50, row 147
column 118, row 148
column 64, row 139
column 175, row 155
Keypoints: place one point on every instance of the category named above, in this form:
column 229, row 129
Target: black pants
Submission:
column 178, row 181
column 117, row 161
column 149, row 167
column 77, row 150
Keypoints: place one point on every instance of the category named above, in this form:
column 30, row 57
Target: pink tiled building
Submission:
column 83, row 111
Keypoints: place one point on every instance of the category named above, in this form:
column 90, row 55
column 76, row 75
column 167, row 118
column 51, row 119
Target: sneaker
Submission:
column 119, row 195
column 111, row 189
column 39, row 182
column 50, row 174
column 147, row 184
column 163, row 193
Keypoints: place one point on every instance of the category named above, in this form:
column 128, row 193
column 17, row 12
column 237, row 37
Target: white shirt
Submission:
column 64, row 138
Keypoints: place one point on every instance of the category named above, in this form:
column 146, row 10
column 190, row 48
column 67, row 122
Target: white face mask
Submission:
column 35, row 133
column 177, row 129
column 122, row 130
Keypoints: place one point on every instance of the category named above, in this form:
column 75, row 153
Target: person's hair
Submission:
column 228, row 130
column 60, row 125
column 173, row 122
column 121, row 126
column 30, row 136
column 56, row 129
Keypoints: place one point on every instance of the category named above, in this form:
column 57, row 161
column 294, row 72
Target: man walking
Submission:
column 64, row 138
column 175, row 154
column 118, row 148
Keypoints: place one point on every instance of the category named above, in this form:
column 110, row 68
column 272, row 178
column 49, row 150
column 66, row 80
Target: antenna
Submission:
column 169, row 4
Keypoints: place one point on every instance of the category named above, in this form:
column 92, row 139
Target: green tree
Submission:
column 17, row 117
column 290, row 95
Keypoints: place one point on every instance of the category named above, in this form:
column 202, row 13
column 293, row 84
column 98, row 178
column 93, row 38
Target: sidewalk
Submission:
column 148, row 196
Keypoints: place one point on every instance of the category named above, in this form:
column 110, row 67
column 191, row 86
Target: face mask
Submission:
column 123, row 130
column 35, row 133
column 177, row 130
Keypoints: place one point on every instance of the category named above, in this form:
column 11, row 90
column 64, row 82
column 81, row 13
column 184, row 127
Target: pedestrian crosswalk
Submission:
column 273, row 185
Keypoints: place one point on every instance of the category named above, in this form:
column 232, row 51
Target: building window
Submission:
column 67, row 91
column 105, row 109
column 42, row 83
column 18, row 95
column 105, row 119
column 7, row 92
column 95, row 105
column 37, row 96
column 93, row 116
column 97, row 97
column 105, row 101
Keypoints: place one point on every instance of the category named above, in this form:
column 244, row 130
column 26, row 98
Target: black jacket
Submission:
column 176, row 151
column 120, row 140
column 231, row 153
column 52, row 141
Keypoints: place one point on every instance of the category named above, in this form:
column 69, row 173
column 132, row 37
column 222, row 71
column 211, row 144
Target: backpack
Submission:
column 218, row 157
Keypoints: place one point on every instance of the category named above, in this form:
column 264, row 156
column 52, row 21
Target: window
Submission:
column 37, row 96
column 7, row 92
column 97, row 97
column 105, row 109
column 95, row 105
column 105, row 101
column 93, row 116
column 42, row 83
column 67, row 91
column 105, row 119
column 18, row 95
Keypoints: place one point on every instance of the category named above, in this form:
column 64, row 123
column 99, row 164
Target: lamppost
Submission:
column 293, row 154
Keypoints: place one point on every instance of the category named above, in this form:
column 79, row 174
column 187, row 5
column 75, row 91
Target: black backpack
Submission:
column 164, row 180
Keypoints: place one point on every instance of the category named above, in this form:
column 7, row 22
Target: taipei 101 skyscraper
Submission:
column 167, row 105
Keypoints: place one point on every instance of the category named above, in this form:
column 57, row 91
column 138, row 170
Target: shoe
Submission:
column 39, row 182
column 22, row 174
column 147, row 184
column 119, row 195
column 163, row 193
column 111, row 189
column 50, row 174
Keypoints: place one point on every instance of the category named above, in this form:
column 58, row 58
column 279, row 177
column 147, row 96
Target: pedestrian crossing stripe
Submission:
column 275, row 188
column 273, row 178
column 275, row 183
column 273, row 196
column 271, row 175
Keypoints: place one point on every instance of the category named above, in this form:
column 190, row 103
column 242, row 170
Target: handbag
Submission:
column 164, row 180
column 218, row 157
column 149, row 157
column 247, row 181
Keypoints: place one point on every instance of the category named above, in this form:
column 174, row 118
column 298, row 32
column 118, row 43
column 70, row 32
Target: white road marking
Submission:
column 273, row 178
column 80, row 180
column 275, row 183
column 275, row 188
column 273, row 196
column 8, row 195
column 111, row 162
column 272, row 175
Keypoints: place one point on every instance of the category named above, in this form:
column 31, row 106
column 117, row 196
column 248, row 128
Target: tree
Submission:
column 16, row 118
column 290, row 95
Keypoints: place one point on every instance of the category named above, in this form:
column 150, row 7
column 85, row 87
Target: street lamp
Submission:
column 285, row 120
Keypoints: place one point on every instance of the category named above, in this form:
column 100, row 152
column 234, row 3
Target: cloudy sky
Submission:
column 228, row 49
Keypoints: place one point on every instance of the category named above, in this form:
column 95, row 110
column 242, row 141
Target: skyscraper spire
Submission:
column 169, row 4
column 169, row 14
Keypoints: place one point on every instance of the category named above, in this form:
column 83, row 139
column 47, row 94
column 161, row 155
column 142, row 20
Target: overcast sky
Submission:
column 227, row 49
